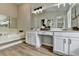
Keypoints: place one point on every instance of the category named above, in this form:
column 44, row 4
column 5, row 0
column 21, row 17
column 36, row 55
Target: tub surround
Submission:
column 10, row 37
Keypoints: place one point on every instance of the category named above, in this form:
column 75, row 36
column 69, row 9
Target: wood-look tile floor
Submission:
column 23, row 49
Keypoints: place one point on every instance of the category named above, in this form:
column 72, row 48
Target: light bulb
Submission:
column 38, row 11
column 35, row 12
column 69, row 3
column 58, row 5
column 41, row 10
column 64, row 4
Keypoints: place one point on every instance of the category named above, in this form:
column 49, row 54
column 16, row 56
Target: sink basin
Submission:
column 56, row 29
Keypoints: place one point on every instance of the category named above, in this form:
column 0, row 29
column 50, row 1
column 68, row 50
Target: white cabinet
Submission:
column 74, row 46
column 34, row 38
column 67, row 43
column 45, row 33
column 27, row 38
column 61, row 44
column 31, row 38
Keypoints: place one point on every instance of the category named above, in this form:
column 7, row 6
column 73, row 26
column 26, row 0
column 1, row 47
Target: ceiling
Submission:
column 53, row 8
column 61, row 8
column 18, row 3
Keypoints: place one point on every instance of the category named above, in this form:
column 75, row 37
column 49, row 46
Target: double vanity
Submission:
column 65, row 42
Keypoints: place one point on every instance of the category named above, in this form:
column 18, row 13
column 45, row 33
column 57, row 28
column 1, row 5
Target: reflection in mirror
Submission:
column 13, row 22
column 56, row 22
column 7, row 22
column 60, row 21
column 4, row 21
column 75, row 17
column 56, row 15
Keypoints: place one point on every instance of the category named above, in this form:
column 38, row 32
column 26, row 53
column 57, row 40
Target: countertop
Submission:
column 60, row 31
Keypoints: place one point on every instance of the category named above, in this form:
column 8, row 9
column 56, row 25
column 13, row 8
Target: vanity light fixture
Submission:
column 37, row 10
column 40, row 9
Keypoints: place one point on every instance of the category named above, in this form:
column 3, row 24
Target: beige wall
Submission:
column 22, row 12
column 8, row 9
column 24, row 17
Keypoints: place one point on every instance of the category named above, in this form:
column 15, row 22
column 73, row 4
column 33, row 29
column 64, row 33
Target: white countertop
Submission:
column 60, row 31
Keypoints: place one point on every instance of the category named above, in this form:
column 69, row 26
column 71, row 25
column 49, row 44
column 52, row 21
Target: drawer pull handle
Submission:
column 70, row 41
column 64, row 41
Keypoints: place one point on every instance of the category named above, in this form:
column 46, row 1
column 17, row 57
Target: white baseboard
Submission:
column 47, row 44
column 11, row 44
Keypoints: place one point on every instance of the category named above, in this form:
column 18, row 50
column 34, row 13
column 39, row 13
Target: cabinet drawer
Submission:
column 45, row 33
column 74, row 35
column 66, row 34
column 31, row 38
column 58, row 37
column 74, row 47
column 59, row 44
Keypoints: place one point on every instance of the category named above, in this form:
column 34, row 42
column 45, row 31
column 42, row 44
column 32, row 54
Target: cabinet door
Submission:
column 28, row 38
column 59, row 44
column 74, row 46
column 33, row 38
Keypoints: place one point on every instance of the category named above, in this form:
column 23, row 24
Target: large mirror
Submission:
column 75, row 17
column 4, row 21
column 56, row 15
column 7, row 22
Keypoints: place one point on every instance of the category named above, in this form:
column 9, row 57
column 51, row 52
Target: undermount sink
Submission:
column 45, row 33
column 56, row 29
